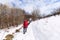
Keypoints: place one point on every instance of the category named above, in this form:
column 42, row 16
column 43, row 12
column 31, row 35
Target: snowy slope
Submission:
column 47, row 29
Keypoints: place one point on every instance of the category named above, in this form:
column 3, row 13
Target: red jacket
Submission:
column 25, row 24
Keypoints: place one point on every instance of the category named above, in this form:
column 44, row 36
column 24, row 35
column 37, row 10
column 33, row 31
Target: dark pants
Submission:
column 24, row 30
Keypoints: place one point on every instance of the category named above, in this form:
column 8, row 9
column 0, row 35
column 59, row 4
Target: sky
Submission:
column 29, row 5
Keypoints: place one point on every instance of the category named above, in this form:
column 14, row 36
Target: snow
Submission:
column 43, row 29
column 28, row 36
column 47, row 28
column 17, row 36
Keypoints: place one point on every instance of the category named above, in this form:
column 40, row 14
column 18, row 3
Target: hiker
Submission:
column 25, row 26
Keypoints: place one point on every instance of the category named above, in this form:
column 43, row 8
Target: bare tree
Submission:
column 36, row 14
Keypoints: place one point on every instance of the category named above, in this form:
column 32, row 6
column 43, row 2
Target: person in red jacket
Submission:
column 25, row 26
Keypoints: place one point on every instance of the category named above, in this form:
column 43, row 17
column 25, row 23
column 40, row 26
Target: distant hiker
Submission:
column 25, row 26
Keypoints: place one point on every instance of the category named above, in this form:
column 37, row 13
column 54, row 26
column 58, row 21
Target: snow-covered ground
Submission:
column 47, row 28
column 17, row 36
column 43, row 29
column 28, row 36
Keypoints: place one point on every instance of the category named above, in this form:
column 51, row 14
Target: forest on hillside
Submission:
column 10, row 16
